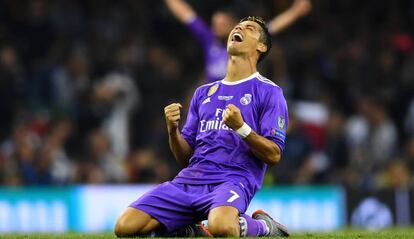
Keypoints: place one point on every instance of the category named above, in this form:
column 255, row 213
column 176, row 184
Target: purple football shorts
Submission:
column 176, row 205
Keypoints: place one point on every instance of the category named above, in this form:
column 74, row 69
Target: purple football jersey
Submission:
column 215, row 53
column 220, row 154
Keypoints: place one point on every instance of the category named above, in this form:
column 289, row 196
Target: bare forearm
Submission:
column 181, row 10
column 282, row 21
column 263, row 148
column 299, row 9
column 181, row 150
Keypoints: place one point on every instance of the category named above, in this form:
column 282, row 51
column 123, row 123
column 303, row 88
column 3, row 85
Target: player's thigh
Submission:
column 228, row 194
column 134, row 221
column 224, row 221
column 169, row 204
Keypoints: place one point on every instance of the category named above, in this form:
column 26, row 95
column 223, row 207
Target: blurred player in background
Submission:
column 235, row 128
column 213, row 40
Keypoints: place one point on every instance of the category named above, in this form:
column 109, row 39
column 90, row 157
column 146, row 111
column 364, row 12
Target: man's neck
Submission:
column 239, row 67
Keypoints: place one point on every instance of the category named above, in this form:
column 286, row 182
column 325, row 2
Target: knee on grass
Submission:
column 222, row 228
column 125, row 229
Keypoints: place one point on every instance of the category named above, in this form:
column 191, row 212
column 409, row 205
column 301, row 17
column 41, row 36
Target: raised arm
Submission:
column 181, row 10
column 180, row 148
column 280, row 22
column 268, row 142
column 263, row 148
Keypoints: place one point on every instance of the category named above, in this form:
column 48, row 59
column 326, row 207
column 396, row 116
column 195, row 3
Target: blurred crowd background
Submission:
column 83, row 85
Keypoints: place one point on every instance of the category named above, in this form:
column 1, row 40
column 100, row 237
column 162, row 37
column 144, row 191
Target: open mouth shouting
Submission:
column 237, row 37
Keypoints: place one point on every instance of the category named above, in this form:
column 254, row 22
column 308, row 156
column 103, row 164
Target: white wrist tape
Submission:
column 244, row 131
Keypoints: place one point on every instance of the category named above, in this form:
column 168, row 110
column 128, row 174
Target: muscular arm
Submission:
column 180, row 148
column 264, row 149
column 281, row 22
column 181, row 10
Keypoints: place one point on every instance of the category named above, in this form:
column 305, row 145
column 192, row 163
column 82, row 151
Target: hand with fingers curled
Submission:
column 172, row 116
column 232, row 117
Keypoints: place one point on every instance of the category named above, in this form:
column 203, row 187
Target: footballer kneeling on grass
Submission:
column 235, row 128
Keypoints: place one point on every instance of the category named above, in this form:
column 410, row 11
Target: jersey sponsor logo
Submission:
column 281, row 122
column 212, row 89
column 206, row 101
column 246, row 99
column 225, row 97
column 214, row 124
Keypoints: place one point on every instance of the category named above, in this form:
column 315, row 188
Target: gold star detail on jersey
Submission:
column 212, row 89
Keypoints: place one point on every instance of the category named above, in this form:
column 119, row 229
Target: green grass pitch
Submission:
column 346, row 233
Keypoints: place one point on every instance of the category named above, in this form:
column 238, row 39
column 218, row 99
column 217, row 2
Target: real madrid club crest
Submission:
column 281, row 122
column 212, row 89
column 246, row 99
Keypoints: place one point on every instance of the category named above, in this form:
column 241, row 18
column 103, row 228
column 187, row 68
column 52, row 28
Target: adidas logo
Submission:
column 206, row 101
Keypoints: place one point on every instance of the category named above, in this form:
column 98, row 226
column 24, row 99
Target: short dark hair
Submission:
column 264, row 34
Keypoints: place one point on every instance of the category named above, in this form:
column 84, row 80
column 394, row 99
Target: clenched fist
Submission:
column 232, row 117
column 172, row 116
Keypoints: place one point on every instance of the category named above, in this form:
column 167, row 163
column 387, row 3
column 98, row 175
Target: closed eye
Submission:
column 250, row 27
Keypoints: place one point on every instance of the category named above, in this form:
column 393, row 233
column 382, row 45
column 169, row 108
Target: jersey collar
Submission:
column 254, row 75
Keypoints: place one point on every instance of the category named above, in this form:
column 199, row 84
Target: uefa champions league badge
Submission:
column 212, row 89
column 246, row 99
column 280, row 122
